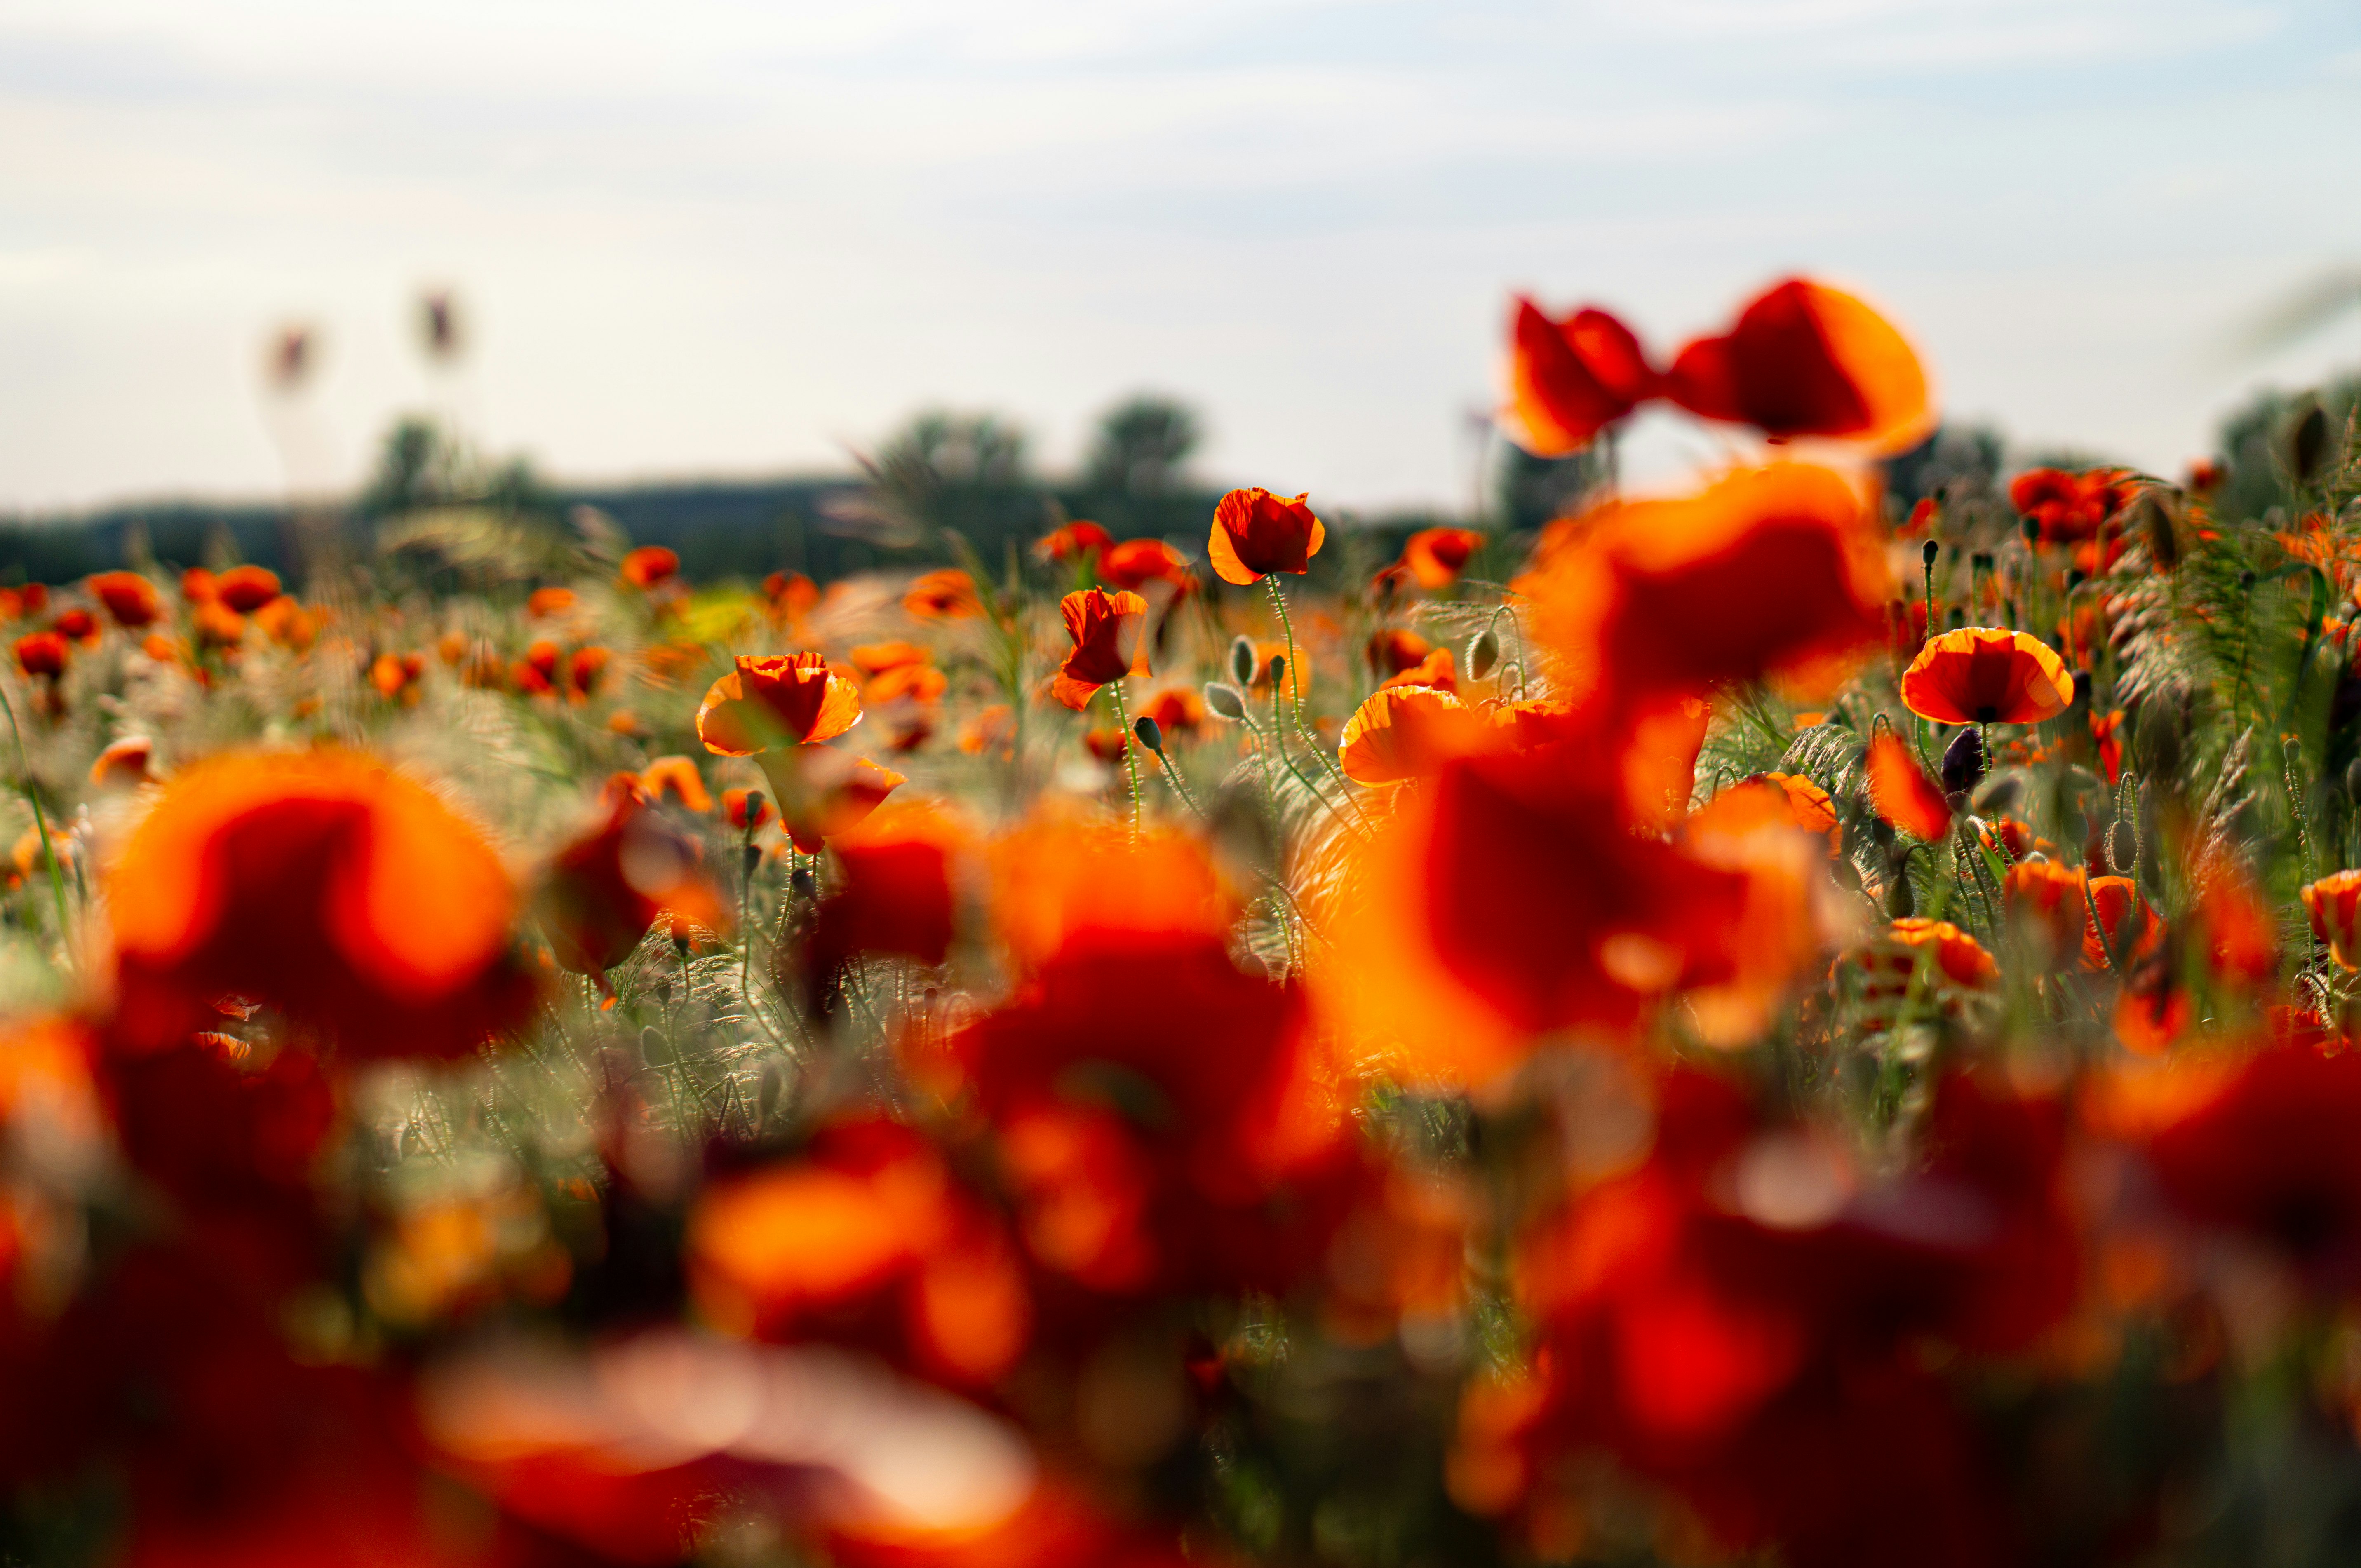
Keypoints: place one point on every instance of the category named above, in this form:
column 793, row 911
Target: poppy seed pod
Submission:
column 1151, row 733
column 1482, row 655
column 1928, row 552
column 2307, row 441
column 1242, row 661
column 1224, row 701
column 1276, row 670
column 1964, row 762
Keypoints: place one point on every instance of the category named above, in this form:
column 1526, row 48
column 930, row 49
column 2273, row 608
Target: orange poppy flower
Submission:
column 1805, row 359
column 875, row 658
column 867, row 1231
column 1110, row 635
column 1889, row 965
column 2131, row 929
column 199, row 586
column 1435, row 556
column 41, row 654
column 1397, row 649
column 602, row 892
column 2334, row 902
column 677, row 778
column 2049, row 898
column 124, row 761
column 1570, row 379
column 647, row 566
column 899, row 893
column 1404, row 733
column 1076, row 540
column 991, row 730
column 2070, row 507
column 1777, row 571
column 746, row 808
column 1176, row 711
column 1806, row 803
column 288, row 623
column 1135, row 562
column 1981, row 675
column 1256, row 533
column 822, row 793
column 218, row 626
column 247, row 588
column 320, row 883
column 790, row 594
column 1902, row 794
column 1436, row 670
column 773, row 699
column 546, row 602
column 944, row 595
column 584, row 670
column 131, row 599
column 396, row 676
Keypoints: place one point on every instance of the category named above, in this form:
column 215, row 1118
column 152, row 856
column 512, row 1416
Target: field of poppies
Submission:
column 1779, row 1021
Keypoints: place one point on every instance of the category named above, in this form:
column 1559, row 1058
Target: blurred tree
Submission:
column 1530, row 491
column 945, row 472
column 2254, row 448
column 1957, row 463
column 1142, row 444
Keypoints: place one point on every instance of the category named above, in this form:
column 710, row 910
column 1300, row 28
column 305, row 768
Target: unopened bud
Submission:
column 1928, row 552
column 1224, row 701
column 802, row 882
column 1483, row 652
column 2353, row 778
column 2033, row 531
column 1277, row 670
column 750, row 860
column 2307, row 441
column 1242, row 661
column 1151, row 733
column 1963, row 762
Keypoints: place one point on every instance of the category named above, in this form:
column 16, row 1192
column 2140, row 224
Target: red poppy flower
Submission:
column 2108, row 733
column 2070, row 507
column 1981, row 675
column 790, row 594
column 866, row 1238
column 1256, row 533
column 41, row 654
column 2334, row 902
column 78, row 625
column 546, row 602
column 675, row 778
column 822, row 793
column 124, row 761
column 898, row 892
column 1110, row 635
column 2271, row 1155
column 1405, row 733
column 1135, row 562
column 1178, row 710
column 1397, row 649
column 245, row 589
column 739, row 803
column 650, row 566
column 1437, row 671
column 944, row 595
column 1902, row 794
column 2131, row 929
column 1076, row 540
column 131, row 599
column 199, row 586
column 1805, row 359
column 1806, row 804
column 1774, row 571
column 1159, row 1117
column 1435, row 556
column 1570, row 379
column 320, row 883
column 772, row 699
column 601, row 892
column 2049, row 898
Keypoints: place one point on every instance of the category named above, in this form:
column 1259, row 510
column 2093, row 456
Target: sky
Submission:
column 731, row 238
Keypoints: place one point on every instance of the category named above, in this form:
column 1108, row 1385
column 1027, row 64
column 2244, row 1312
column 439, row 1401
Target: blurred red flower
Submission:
column 1435, row 556
column 1804, row 359
column 1076, row 540
column 1570, row 379
column 131, row 599
column 1901, row 793
column 650, row 566
column 244, row 589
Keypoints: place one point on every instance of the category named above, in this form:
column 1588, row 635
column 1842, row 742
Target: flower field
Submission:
column 1769, row 1020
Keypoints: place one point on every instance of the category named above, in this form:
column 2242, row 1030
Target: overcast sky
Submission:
column 723, row 237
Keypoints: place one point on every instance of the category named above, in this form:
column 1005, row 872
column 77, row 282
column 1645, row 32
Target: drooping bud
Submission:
column 1483, row 652
column 2307, row 440
column 1151, row 733
column 1242, row 661
column 1224, row 701
column 1964, row 762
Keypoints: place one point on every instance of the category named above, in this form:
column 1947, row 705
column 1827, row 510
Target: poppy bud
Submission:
column 1482, row 655
column 750, row 860
column 1963, row 762
column 2154, row 520
column 2307, row 440
column 1900, row 903
column 1277, row 670
column 1152, row 735
column 2081, row 689
column 1928, row 552
column 802, row 882
column 2001, row 795
column 1225, row 700
column 1242, row 661
column 655, row 1050
column 1881, row 831
column 2032, row 526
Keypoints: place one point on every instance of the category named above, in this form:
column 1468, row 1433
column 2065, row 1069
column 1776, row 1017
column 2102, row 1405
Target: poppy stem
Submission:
column 1130, row 751
column 1295, row 674
column 40, row 824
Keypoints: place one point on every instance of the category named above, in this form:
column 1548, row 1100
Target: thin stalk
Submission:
column 40, row 824
column 1130, row 752
column 1295, row 674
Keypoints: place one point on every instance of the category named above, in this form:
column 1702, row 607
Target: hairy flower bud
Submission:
column 1225, row 700
column 1151, row 733
column 1483, row 652
column 1242, row 661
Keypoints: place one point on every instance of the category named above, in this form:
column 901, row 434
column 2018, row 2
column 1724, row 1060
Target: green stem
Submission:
column 1130, row 752
column 40, row 824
